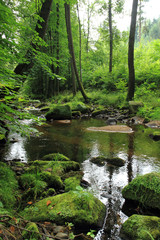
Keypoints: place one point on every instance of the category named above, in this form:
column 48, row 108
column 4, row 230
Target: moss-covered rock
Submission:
column 72, row 183
column 139, row 227
column 60, row 112
column 98, row 112
column 55, row 157
column 56, row 167
column 52, row 180
column 76, row 114
column 134, row 106
column 79, row 207
column 100, row 161
column 81, row 107
column 8, row 186
column 144, row 189
column 32, row 233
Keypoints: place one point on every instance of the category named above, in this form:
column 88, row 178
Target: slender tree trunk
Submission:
column 71, row 49
column 73, row 79
column 110, row 35
column 57, row 47
column 140, row 19
column 88, row 27
column 131, row 83
column 80, row 43
column 44, row 13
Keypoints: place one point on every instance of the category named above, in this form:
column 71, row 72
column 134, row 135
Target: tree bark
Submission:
column 131, row 83
column 110, row 35
column 44, row 14
column 71, row 49
column 80, row 44
column 57, row 51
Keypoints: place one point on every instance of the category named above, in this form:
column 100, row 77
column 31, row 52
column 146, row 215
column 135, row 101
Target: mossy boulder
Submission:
column 8, row 187
column 139, row 227
column 79, row 207
column 98, row 112
column 100, row 161
column 52, row 180
column 60, row 112
column 145, row 190
column 55, row 157
column 32, row 233
column 81, row 107
column 72, row 183
column 56, row 167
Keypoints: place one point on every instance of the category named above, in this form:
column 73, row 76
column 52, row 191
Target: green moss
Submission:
column 72, row 182
column 60, row 112
column 80, row 107
column 34, row 232
column 52, row 180
column 139, row 227
column 55, row 157
column 32, row 184
column 57, row 167
column 8, row 186
column 78, row 207
column 144, row 189
column 100, row 161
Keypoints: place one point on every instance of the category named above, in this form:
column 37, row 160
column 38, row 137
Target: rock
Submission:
column 44, row 109
column 155, row 136
column 153, row 124
column 61, row 112
column 99, row 112
column 139, row 227
column 55, row 157
column 136, row 120
column 64, row 121
column 76, row 114
column 145, row 190
column 134, row 106
column 79, row 207
column 81, row 107
column 100, row 161
column 111, row 121
column 61, row 235
column 113, row 128
column 34, row 232
column 72, row 183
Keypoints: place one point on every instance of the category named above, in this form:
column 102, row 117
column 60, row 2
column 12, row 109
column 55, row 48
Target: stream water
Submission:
column 140, row 152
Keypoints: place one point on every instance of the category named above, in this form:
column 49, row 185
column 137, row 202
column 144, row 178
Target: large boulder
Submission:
column 59, row 112
column 139, row 227
column 79, row 207
column 145, row 190
column 100, row 161
column 80, row 107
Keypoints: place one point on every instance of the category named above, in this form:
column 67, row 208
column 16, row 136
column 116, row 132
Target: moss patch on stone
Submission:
column 72, row 183
column 59, row 112
column 144, row 189
column 139, row 227
column 79, row 207
column 32, row 233
column 55, row 157
column 8, row 186
column 52, row 180
column 100, row 161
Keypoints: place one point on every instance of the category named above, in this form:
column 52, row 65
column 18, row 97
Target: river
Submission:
column 140, row 152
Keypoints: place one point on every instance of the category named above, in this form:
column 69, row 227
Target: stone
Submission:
column 113, row 128
column 153, row 124
column 59, row 112
column 145, row 190
column 100, row 161
column 139, row 227
column 55, row 157
column 81, row 107
column 111, row 121
column 78, row 207
column 134, row 106
column 61, row 235
column 34, row 232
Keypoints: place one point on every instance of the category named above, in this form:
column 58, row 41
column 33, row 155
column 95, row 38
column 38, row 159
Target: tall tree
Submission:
column 110, row 34
column 80, row 42
column 131, row 83
column 40, row 29
column 71, row 49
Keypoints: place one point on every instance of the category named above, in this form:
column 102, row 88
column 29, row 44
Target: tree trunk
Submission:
column 44, row 13
column 110, row 35
column 131, row 83
column 80, row 44
column 71, row 49
column 57, row 47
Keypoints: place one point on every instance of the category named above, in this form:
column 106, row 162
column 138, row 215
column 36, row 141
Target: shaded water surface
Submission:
column 141, row 155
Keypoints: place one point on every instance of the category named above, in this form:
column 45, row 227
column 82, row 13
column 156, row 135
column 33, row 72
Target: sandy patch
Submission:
column 112, row 128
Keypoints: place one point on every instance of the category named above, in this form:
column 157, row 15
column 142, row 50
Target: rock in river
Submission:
column 79, row 207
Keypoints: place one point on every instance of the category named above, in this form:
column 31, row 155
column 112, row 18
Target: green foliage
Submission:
column 91, row 233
